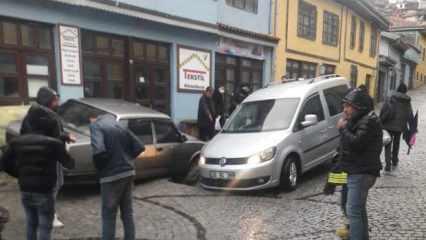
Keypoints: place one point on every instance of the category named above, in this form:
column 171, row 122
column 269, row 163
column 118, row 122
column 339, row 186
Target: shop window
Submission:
column 307, row 20
column 92, row 79
column 45, row 38
column 373, row 44
column 8, row 76
column 151, row 52
column 163, row 53
column 246, row 63
column 361, row 36
column 138, row 50
column 7, row 63
column 330, row 34
column 353, row 32
column 88, row 42
column 28, row 36
column 10, row 33
column 102, row 45
column 298, row 69
column 231, row 60
column 117, row 48
column 115, row 80
column 37, row 74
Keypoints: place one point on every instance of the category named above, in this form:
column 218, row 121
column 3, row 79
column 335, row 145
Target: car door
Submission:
column 312, row 138
column 333, row 98
column 166, row 138
column 146, row 162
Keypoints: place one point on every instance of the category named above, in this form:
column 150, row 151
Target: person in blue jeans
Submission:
column 361, row 142
column 114, row 150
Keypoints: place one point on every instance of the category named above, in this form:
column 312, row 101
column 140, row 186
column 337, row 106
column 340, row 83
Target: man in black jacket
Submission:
column 114, row 150
column 32, row 158
column 394, row 116
column 42, row 115
column 361, row 143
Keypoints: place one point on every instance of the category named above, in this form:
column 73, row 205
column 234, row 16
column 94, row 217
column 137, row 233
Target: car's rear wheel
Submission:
column 289, row 174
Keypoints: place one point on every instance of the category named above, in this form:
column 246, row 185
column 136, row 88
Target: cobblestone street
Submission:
column 165, row 210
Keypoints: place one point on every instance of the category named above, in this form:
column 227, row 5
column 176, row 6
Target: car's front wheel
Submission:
column 289, row 175
column 193, row 173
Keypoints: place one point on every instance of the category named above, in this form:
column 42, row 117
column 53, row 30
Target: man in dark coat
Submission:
column 43, row 115
column 114, row 149
column 36, row 156
column 394, row 116
column 206, row 114
column 219, row 104
column 361, row 143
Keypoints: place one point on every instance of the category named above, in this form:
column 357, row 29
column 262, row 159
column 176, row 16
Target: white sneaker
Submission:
column 57, row 223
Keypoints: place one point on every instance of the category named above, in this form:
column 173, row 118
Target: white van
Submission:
column 275, row 135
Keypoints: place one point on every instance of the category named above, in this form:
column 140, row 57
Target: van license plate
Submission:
column 222, row 175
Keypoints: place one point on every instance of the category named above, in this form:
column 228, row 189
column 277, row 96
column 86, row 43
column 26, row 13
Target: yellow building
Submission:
column 328, row 36
column 420, row 78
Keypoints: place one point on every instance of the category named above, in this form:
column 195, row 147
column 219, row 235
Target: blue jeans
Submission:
column 39, row 210
column 356, row 206
column 117, row 194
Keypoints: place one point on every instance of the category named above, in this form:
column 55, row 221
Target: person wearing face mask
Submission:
column 361, row 144
column 43, row 114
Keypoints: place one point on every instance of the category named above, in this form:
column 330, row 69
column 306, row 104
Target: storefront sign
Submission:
column 242, row 49
column 70, row 55
column 194, row 69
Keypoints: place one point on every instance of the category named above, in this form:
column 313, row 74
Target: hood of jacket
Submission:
column 400, row 97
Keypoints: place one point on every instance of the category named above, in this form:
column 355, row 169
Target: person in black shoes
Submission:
column 394, row 116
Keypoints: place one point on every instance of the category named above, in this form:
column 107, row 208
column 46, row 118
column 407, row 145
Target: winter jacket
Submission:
column 219, row 103
column 395, row 112
column 114, row 149
column 361, row 145
column 42, row 120
column 32, row 158
column 205, row 111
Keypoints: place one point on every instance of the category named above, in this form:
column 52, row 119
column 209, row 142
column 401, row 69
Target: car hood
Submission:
column 240, row 145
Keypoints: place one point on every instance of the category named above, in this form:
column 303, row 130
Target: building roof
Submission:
column 365, row 9
column 130, row 10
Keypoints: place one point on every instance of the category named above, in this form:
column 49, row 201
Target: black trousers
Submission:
column 206, row 132
column 392, row 149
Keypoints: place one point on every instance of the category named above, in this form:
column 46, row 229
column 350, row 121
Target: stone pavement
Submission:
column 165, row 210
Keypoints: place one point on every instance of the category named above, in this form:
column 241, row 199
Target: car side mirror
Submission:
column 310, row 120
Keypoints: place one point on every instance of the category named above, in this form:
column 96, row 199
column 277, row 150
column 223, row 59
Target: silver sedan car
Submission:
column 167, row 151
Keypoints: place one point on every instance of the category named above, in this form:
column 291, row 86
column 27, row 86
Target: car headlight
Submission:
column 202, row 160
column 263, row 156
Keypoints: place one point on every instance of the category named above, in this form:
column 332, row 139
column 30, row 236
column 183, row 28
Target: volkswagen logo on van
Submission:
column 222, row 162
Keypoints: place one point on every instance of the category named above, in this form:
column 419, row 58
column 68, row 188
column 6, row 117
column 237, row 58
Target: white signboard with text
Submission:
column 194, row 69
column 69, row 38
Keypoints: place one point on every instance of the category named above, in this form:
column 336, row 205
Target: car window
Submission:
column 333, row 97
column 142, row 128
column 165, row 132
column 312, row 106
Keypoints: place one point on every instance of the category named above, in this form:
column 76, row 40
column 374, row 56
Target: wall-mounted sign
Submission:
column 69, row 40
column 242, row 49
column 194, row 69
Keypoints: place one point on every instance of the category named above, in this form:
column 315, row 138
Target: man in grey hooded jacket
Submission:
column 114, row 150
column 394, row 116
